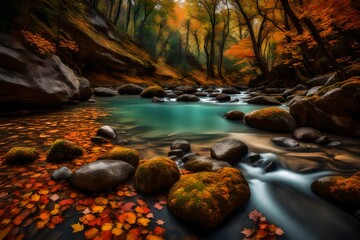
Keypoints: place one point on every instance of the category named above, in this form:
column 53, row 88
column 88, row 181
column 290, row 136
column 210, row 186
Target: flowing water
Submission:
column 283, row 196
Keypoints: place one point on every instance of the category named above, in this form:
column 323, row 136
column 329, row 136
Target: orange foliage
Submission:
column 68, row 44
column 243, row 49
column 41, row 45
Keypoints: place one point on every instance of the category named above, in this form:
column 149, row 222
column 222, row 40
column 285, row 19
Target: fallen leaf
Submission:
column 159, row 231
column 160, row 222
column 91, row 233
column 158, row 206
column 143, row 221
column 248, row 232
column 279, row 232
column 3, row 194
column 107, row 226
column 101, row 200
column 77, row 227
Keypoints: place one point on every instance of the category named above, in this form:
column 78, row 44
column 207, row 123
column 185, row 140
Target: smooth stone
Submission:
column 230, row 91
column 21, row 155
column 106, row 131
column 323, row 140
column 307, row 134
column 157, row 100
column 264, row 100
column 187, row 89
column 61, row 173
column 253, row 157
column 91, row 100
column 99, row 140
column 204, row 163
column 214, row 95
column 285, row 142
column 130, row 89
column 63, row 150
column 102, row 176
column 181, row 144
column 201, row 94
column 153, row 91
column 188, row 157
column 176, row 152
column 187, row 98
column 229, row 150
column 104, row 92
column 234, row 115
column 85, row 91
column 171, row 95
column 223, row 98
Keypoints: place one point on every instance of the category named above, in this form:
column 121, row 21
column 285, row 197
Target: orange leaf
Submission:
column 133, row 234
column 159, row 231
column 77, row 227
column 101, row 200
column 143, row 221
column 97, row 209
column 261, row 234
column 91, row 233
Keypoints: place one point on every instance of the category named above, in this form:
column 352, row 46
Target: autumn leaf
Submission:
column 97, row 209
column 107, row 226
column 91, row 233
column 248, row 232
column 255, row 215
column 143, row 221
column 154, row 237
column 101, row 200
column 261, row 234
column 3, row 194
column 160, row 222
column 159, row 231
column 77, row 227
column 54, row 197
column 158, row 206
column 133, row 234
column 279, row 231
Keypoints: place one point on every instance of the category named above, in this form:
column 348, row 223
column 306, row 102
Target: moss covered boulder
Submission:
column 207, row 198
column 21, row 155
column 203, row 163
column 128, row 155
column 344, row 191
column 153, row 91
column 63, row 150
column 156, row 174
column 272, row 119
column 234, row 115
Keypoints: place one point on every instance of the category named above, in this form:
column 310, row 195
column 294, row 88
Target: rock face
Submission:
column 203, row 163
column 28, row 79
column 285, row 142
column 273, row 119
column 85, row 91
column 61, row 173
column 128, row 155
column 306, row 134
column 104, row 92
column 223, row 98
column 63, row 150
column 187, row 98
column 107, row 132
column 340, row 190
column 156, row 174
column 21, row 155
column 265, row 100
column 101, row 176
column 229, row 150
column 207, row 198
column 234, row 115
column 181, row 144
column 130, row 89
column 335, row 109
column 153, row 91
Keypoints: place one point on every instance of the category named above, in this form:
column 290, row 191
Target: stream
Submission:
column 283, row 196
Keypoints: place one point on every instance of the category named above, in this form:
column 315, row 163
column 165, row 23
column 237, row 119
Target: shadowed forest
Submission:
column 180, row 119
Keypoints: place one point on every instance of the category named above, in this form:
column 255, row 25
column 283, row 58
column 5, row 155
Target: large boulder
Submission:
column 234, row 115
column 229, row 150
column 264, row 100
column 101, row 176
column 344, row 191
column 223, row 98
column 128, row 155
column 334, row 109
column 187, row 98
column 130, row 89
column 153, row 91
column 21, row 155
column 26, row 78
column 207, row 198
column 63, row 150
column 155, row 175
column 104, row 92
column 203, row 163
column 181, row 144
column 85, row 91
column 107, row 132
column 272, row 118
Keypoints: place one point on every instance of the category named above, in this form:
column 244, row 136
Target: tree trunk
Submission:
column 206, row 50
column 129, row 5
column 118, row 11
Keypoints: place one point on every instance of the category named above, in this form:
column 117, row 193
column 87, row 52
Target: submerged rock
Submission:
column 344, row 191
column 234, row 115
column 188, row 156
column 203, row 163
column 229, row 150
column 128, row 155
column 107, row 132
column 187, row 98
column 285, row 142
column 176, row 152
column 61, row 173
column 21, row 155
column 63, row 150
column 207, row 198
column 272, row 118
column 101, row 176
column 104, row 92
column 156, row 174
column 130, row 89
column 153, row 91
column 157, row 100
column 307, row 134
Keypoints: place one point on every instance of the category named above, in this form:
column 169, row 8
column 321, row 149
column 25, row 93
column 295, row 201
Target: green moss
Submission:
column 206, row 198
column 156, row 174
column 128, row 155
column 63, row 150
column 20, row 155
column 153, row 91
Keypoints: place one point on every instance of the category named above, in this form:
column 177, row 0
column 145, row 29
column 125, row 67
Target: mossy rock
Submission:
column 207, row 198
column 343, row 191
column 128, row 155
column 156, row 174
column 21, row 155
column 153, row 91
column 272, row 119
column 63, row 150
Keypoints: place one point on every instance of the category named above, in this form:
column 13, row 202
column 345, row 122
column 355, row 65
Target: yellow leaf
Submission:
column 101, row 200
column 143, row 221
column 97, row 209
column 153, row 237
column 117, row 231
column 106, row 226
column 91, row 233
column 44, row 192
column 5, row 221
column 77, row 227
column 35, row 197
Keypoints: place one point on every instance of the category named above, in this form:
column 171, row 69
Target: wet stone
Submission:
column 61, row 173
